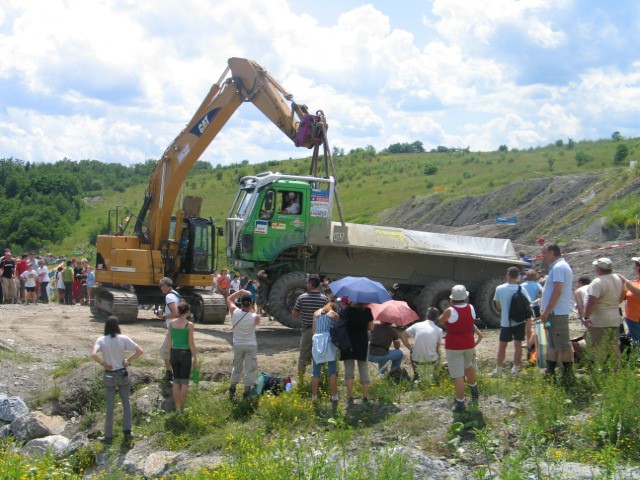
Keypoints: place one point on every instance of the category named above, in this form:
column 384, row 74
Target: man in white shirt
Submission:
column 293, row 207
column 426, row 346
column 172, row 300
column 43, row 278
column 602, row 314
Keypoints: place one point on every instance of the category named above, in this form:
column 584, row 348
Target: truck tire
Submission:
column 434, row 294
column 284, row 293
column 483, row 303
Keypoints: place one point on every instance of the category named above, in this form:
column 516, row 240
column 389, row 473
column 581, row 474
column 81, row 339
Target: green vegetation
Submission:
column 526, row 427
column 367, row 180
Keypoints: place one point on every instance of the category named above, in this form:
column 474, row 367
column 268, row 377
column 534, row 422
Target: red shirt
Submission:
column 460, row 333
column 21, row 267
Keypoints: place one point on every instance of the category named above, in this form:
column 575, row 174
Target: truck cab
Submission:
column 276, row 215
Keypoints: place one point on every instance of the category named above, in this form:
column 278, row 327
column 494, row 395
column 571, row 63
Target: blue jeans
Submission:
column 394, row 355
column 634, row 331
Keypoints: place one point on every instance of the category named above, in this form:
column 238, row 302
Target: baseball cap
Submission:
column 604, row 263
column 635, row 259
column 458, row 293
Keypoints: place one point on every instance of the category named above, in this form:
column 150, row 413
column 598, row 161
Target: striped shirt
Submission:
column 307, row 304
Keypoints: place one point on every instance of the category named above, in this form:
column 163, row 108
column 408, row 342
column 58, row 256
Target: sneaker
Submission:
column 459, row 406
column 231, row 392
column 496, row 372
column 515, row 369
column 105, row 440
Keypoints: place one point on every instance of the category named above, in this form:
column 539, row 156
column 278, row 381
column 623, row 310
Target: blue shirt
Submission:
column 533, row 288
column 503, row 294
column 560, row 272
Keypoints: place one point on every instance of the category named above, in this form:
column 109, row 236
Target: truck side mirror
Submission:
column 220, row 232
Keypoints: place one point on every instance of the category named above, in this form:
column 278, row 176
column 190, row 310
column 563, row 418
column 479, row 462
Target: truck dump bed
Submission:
column 383, row 238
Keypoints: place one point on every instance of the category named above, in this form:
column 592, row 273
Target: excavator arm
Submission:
column 247, row 82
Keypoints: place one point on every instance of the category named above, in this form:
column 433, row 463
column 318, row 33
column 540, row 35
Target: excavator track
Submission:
column 207, row 307
column 108, row 301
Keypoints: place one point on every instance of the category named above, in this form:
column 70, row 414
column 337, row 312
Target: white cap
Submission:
column 604, row 263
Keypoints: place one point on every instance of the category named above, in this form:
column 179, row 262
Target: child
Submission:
column 30, row 277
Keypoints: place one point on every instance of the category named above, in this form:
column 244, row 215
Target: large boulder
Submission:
column 55, row 444
column 36, row 425
column 12, row 408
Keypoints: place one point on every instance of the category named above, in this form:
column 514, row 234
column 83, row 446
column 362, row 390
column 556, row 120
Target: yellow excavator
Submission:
column 180, row 244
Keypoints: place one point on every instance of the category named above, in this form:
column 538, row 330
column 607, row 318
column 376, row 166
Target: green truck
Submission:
column 280, row 229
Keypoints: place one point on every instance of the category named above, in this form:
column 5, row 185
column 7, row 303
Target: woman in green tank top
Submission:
column 183, row 354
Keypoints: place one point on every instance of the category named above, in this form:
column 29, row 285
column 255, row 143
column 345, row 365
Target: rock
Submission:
column 5, row 431
column 146, row 400
column 143, row 460
column 78, row 441
column 56, row 444
column 36, row 425
column 12, row 408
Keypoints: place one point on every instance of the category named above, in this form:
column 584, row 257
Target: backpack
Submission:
column 520, row 308
column 339, row 334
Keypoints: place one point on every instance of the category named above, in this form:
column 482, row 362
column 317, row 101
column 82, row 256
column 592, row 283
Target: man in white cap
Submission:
column 459, row 344
column 293, row 207
column 602, row 315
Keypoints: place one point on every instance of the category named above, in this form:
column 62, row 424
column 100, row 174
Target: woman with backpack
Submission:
column 359, row 323
column 324, row 351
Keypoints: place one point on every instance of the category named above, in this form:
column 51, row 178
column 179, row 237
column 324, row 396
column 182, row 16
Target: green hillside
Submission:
column 369, row 181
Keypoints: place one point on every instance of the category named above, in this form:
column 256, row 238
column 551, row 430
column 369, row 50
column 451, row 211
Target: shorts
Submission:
column 558, row 334
column 181, row 365
column 459, row 360
column 306, row 342
column 165, row 352
column 516, row 332
column 536, row 310
column 332, row 368
column 605, row 336
column 30, row 289
column 363, row 370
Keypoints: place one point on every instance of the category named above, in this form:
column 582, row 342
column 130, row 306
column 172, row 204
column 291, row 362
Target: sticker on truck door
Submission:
column 262, row 226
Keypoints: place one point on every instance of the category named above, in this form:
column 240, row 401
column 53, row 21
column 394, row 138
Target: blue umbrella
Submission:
column 360, row 289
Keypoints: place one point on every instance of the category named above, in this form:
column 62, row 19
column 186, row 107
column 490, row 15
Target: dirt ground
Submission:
column 48, row 334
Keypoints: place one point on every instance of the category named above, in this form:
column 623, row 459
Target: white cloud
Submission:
column 118, row 80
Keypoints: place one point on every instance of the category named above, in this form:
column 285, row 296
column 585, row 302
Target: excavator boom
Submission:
column 248, row 82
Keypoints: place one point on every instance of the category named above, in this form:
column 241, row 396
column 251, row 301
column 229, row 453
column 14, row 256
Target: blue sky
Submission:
column 117, row 80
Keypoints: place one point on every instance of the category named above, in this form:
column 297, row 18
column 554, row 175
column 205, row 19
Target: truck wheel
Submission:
column 485, row 308
column 283, row 296
column 434, row 294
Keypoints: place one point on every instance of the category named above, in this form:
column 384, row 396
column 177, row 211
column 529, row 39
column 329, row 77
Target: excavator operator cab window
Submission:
column 201, row 247
column 290, row 203
column 268, row 205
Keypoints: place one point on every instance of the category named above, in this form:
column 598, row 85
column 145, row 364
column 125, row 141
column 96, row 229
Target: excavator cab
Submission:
column 195, row 248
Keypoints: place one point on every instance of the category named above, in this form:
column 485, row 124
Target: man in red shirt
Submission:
column 22, row 266
column 459, row 344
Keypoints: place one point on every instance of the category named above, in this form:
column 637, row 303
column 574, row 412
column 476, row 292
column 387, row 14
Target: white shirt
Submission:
column 244, row 328
column 169, row 299
column 43, row 274
column 29, row 277
column 428, row 335
column 114, row 348
column 293, row 209
column 607, row 289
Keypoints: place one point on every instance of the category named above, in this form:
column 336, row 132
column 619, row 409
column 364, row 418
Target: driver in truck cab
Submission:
column 293, row 207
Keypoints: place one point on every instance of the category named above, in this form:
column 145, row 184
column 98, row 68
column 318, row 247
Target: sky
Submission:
column 117, row 81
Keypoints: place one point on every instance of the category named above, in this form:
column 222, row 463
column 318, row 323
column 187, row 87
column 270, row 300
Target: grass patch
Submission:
column 67, row 365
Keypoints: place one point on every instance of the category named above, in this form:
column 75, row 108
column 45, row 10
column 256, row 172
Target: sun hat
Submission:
column 604, row 263
column 458, row 293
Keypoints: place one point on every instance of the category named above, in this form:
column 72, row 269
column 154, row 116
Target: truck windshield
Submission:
column 243, row 202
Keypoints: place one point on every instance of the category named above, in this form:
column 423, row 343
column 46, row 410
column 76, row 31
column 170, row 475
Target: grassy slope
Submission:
column 371, row 183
